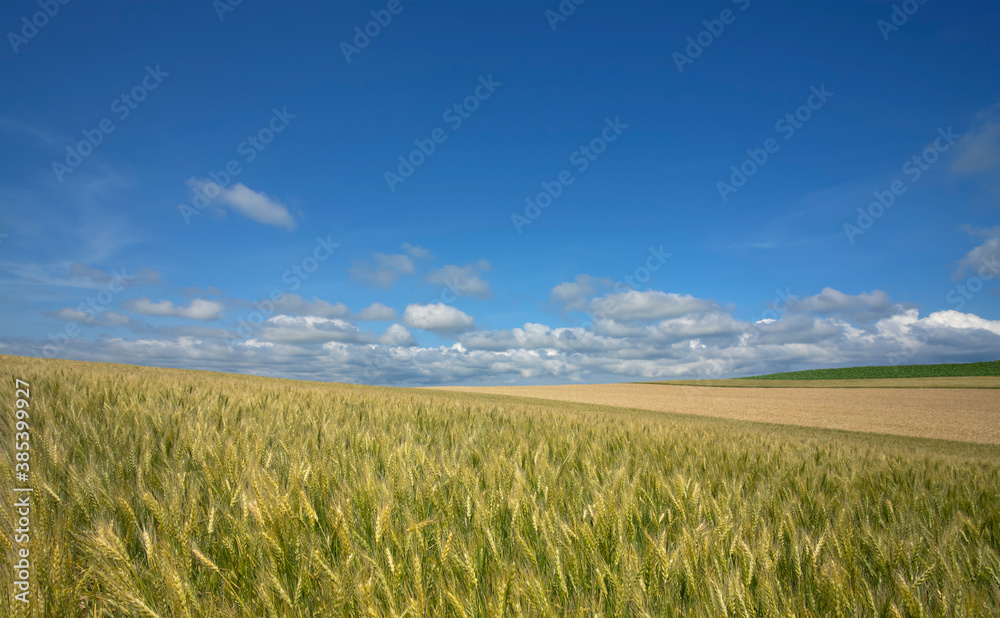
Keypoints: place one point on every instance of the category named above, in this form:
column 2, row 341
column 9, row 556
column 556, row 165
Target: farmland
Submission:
column 963, row 414
column 170, row 493
column 885, row 372
column 941, row 382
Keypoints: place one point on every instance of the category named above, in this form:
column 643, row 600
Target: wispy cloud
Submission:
column 979, row 151
column 12, row 125
column 988, row 252
column 197, row 309
column 252, row 204
column 384, row 269
column 464, row 280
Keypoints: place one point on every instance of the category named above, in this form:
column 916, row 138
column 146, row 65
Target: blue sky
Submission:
column 652, row 258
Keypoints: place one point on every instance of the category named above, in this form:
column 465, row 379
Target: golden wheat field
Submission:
column 180, row 493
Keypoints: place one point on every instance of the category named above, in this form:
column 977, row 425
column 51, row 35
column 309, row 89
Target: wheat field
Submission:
column 180, row 493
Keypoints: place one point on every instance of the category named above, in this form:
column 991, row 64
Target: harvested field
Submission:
column 949, row 382
column 967, row 415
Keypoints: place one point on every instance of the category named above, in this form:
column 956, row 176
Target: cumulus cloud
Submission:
column 293, row 304
column 397, row 335
column 572, row 295
column 383, row 271
column 633, row 335
column 115, row 319
column 72, row 315
column 647, row 305
column 534, row 336
column 712, row 324
column 286, row 347
column 865, row 306
column 437, row 318
column 463, row 280
column 956, row 320
column 310, row 329
column 252, row 204
column 377, row 312
column 197, row 309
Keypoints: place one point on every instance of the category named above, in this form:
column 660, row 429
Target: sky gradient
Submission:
column 435, row 192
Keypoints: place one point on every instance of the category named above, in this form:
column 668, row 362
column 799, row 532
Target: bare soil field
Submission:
column 942, row 382
column 967, row 415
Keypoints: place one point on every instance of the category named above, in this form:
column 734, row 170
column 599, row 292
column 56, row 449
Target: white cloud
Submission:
column 705, row 325
column 285, row 347
column 572, row 295
column 310, row 329
column 377, row 312
column 463, row 280
column 253, row 204
column 647, row 305
column 644, row 335
column 387, row 268
column 94, row 275
column 197, row 309
column 979, row 148
column 438, row 318
column 415, row 251
column 534, row 336
column 72, row 315
column 951, row 319
column 115, row 319
column 397, row 335
column 866, row 306
column 293, row 304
